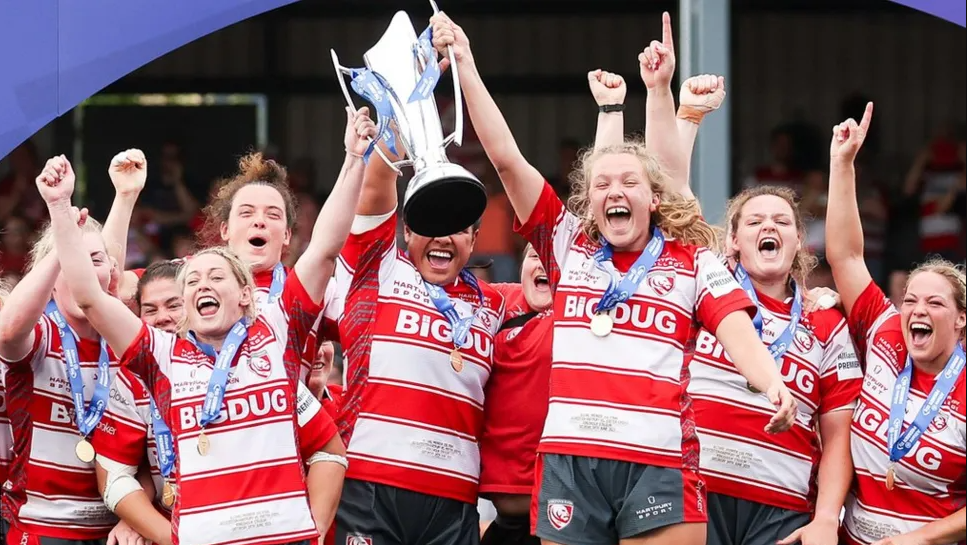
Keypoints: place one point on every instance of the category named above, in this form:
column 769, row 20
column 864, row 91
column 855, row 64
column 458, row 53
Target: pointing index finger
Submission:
column 867, row 117
column 666, row 30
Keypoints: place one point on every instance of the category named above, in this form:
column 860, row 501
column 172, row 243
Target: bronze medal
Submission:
column 168, row 495
column 890, row 477
column 85, row 451
column 456, row 360
column 204, row 445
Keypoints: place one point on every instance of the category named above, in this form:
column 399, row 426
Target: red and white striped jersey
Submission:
column 419, row 419
column 50, row 492
column 930, row 480
column 250, row 488
column 624, row 396
column 739, row 458
column 6, row 439
column 324, row 326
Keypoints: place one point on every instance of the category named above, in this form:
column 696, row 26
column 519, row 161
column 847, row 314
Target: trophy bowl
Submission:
column 443, row 199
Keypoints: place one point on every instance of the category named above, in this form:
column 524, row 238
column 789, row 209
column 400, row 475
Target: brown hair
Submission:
column 953, row 274
column 804, row 261
column 241, row 272
column 156, row 271
column 678, row 217
column 252, row 169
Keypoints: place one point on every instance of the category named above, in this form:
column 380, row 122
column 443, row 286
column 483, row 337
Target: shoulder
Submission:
column 824, row 324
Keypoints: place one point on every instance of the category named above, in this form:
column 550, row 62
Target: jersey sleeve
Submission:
column 840, row 375
column 42, row 331
column 149, row 359
column 371, row 246
column 870, row 311
column 551, row 229
column 122, row 434
column 718, row 293
column 316, row 427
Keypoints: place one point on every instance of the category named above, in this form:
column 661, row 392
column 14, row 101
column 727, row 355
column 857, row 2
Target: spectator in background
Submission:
column 18, row 195
column 568, row 150
column 932, row 183
column 167, row 201
column 182, row 243
column 305, row 219
column 14, row 245
column 496, row 242
column 780, row 170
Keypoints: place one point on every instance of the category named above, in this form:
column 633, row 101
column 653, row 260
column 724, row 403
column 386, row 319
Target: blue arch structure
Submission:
column 56, row 53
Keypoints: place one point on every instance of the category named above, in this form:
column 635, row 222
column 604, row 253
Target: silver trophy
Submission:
column 442, row 198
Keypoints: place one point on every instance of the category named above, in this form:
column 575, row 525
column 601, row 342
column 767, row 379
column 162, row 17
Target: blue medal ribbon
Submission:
column 444, row 304
column 431, row 73
column 87, row 418
column 223, row 363
column 164, row 442
column 372, row 87
column 278, row 282
column 782, row 343
column 901, row 443
column 619, row 292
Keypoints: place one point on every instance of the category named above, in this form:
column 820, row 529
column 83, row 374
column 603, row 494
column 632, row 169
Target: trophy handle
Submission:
column 457, row 135
column 341, row 73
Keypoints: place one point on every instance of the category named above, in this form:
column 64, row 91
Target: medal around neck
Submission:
column 401, row 73
column 891, row 477
column 168, row 495
column 456, row 360
column 204, row 444
column 602, row 324
column 85, row 451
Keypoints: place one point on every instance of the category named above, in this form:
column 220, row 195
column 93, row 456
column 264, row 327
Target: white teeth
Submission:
column 618, row 210
column 440, row 254
column 206, row 300
column 920, row 327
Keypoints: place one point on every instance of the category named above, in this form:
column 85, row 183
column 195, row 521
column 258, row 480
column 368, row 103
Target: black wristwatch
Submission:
column 608, row 108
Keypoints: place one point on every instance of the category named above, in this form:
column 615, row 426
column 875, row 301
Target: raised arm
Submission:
column 844, row 232
column 24, row 306
column 316, row 264
column 657, row 67
column 128, row 171
column 738, row 336
column 609, row 92
column 699, row 96
column 522, row 182
column 109, row 316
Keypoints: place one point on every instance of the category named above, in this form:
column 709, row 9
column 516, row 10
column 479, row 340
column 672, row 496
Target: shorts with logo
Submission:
column 14, row 536
column 590, row 501
column 379, row 514
column 734, row 521
column 509, row 531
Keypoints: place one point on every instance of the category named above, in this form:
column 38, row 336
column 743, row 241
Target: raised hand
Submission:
column 56, row 180
column 606, row 87
column 359, row 127
column 657, row 61
column 447, row 33
column 705, row 93
column 848, row 137
column 128, row 171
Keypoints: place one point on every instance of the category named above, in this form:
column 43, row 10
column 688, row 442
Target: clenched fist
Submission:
column 705, row 93
column 606, row 87
column 56, row 181
column 657, row 61
column 128, row 171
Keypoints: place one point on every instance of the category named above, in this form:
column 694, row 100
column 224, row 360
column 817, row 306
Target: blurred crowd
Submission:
column 907, row 215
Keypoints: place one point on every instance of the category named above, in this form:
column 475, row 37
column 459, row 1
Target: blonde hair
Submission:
column 241, row 272
column 676, row 216
column 953, row 274
column 804, row 261
column 45, row 243
column 4, row 292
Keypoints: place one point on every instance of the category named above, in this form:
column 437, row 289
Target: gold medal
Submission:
column 168, row 495
column 602, row 324
column 204, row 445
column 456, row 360
column 84, row 451
column 890, row 477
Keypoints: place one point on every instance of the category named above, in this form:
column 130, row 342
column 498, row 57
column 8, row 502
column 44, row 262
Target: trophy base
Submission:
column 442, row 200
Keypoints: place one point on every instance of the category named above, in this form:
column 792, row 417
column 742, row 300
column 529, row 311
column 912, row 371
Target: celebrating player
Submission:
column 418, row 332
column 619, row 443
column 238, row 470
column 6, row 439
column 908, row 432
column 60, row 374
